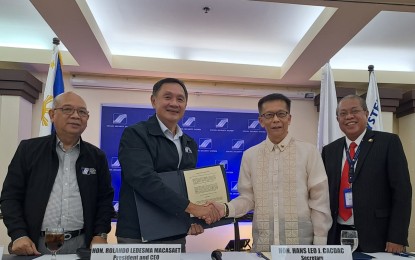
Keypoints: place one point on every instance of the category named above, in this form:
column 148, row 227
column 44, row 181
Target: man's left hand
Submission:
column 195, row 229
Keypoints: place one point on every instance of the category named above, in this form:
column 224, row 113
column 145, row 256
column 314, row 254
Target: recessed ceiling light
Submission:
column 206, row 9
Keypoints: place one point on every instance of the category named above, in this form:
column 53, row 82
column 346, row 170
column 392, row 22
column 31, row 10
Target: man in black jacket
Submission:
column 58, row 180
column 154, row 146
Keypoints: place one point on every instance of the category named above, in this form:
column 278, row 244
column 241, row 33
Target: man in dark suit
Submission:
column 376, row 200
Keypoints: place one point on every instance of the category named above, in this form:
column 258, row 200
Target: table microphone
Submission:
column 216, row 255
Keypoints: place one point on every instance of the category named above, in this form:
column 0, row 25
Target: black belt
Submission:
column 346, row 227
column 68, row 234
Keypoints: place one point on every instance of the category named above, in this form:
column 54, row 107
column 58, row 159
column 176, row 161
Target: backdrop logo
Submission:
column 115, row 163
column 119, row 119
column 189, row 121
column 234, row 186
column 205, row 143
column 222, row 123
column 116, row 206
column 253, row 124
column 238, row 144
column 222, row 162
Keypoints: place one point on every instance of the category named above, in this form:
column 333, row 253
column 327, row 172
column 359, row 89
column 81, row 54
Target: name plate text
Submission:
column 309, row 252
column 136, row 252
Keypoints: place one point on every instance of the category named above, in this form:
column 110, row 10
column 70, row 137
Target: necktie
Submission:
column 345, row 213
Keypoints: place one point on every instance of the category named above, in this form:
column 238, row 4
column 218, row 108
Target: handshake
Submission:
column 210, row 212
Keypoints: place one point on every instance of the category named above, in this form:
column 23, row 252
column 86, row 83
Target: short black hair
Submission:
column 353, row 96
column 159, row 84
column 272, row 97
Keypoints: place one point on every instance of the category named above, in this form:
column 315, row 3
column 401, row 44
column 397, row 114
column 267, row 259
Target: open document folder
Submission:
column 198, row 185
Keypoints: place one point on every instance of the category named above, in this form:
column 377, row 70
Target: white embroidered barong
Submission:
column 286, row 186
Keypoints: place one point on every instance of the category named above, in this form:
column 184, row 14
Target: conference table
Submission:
column 197, row 256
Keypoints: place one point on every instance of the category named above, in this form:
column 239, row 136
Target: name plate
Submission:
column 136, row 252
column 308, row 252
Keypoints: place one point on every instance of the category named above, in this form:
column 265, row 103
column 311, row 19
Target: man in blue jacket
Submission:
column 58, row 180
column 154, row 146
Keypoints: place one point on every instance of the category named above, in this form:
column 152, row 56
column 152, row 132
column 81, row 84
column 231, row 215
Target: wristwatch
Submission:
column 102, row 235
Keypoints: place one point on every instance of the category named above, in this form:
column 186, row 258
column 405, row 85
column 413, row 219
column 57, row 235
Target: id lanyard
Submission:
column 351, row 161
column 348, row 197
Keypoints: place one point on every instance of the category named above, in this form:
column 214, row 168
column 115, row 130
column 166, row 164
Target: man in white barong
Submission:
column 284, row 181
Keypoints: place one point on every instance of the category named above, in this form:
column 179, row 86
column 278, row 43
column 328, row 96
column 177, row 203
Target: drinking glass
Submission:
column 349, row 237
column 54, row 238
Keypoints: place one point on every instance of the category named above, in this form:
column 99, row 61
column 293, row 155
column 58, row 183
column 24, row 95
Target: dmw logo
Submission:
column 115, row 163
column 253, row 124
column 119, row 119
column 189, row 121
column 234, row 186
column 222, row 123
column 205, row 143
column 238, row 144
column 222, row 162
column 88, row 171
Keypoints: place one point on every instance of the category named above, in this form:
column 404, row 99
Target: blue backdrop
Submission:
column 222, row 137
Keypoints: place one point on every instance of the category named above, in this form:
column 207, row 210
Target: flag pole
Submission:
column 370, row 68
column 56, row 41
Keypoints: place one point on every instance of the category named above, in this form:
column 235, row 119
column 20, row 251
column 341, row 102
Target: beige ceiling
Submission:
column 273, row 43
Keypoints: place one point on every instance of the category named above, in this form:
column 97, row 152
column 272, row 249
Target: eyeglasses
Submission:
column 352, row 112
column 279, row 114
column 82, row 112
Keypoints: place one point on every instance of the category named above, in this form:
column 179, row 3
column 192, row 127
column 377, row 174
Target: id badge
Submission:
column 348, row 198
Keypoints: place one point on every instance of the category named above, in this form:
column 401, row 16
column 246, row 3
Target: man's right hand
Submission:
column 24, row 246
column 206, row 212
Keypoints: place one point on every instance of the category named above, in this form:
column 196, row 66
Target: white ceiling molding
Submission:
column 385, row 2
column 121, row 83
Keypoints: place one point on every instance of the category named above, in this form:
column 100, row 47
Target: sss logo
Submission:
column 115, row 163
column 205, row 143
column 253, row 124
column 238, row 144
column 189, row 121
column 222, row 123
column 234, row 186
column 119, row 119
column 222, row 162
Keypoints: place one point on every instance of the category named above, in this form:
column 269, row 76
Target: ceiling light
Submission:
column 206, row 9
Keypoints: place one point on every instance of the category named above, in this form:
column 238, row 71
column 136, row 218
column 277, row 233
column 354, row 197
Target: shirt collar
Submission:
column 165, row 130
column 280, row 146
column 357, row 141
column 60, row 144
